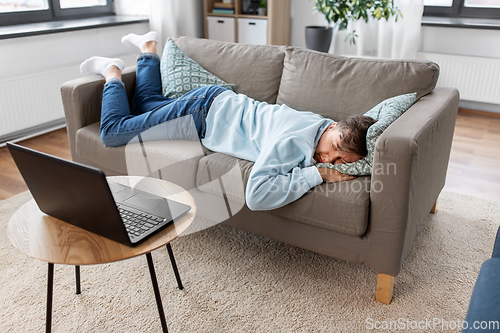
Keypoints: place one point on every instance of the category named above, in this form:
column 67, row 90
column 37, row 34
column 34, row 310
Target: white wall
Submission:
column 174, row 18
column 460, row 41
column 46, row 52
column 457, row 41
column 50, row 60
column 301, row 15
column 29, row 55
column 34, row 54
column 132, row 7
column 466, row 42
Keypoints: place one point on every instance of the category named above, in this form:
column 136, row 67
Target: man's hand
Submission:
column 333, row 176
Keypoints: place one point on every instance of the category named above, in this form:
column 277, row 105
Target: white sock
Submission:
column 99, row 65
column 139, row 40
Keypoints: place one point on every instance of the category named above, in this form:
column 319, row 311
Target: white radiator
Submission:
column 33, row 100
column 32, row 104
column 477, row 79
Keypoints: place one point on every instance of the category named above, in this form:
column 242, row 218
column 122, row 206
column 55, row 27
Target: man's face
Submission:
column 328, row 151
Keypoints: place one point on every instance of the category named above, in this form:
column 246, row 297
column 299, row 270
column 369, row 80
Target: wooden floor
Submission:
column 11, row 181
column 474, row 167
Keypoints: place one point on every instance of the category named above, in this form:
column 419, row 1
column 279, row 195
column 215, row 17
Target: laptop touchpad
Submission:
column 144, row 201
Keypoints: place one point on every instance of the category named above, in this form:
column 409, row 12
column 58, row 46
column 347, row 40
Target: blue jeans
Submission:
column 150, row 108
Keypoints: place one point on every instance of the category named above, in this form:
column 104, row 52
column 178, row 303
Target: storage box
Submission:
column 221, row 28
column 252, row 31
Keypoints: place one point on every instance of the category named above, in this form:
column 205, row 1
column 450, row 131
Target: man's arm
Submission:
column 277, row 177
column 333, row 176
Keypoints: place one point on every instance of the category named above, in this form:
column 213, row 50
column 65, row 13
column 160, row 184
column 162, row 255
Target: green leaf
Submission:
column 341, row 12
column 351, row 37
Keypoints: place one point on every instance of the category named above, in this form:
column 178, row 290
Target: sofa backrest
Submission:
column 254, row 69
column 306, row 80
column 337, row 87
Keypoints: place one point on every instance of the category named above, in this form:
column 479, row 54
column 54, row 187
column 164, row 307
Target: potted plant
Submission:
column 340, row 13
column 262, row 8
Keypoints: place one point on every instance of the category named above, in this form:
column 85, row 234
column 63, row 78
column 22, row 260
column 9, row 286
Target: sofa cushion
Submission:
column 181, row 74
column 349, row 85
column 175, row 161
column 254, row 69
column 221, row 166
column 341, row 207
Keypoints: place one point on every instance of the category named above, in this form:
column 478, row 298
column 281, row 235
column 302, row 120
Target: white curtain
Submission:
column 173, row 18
column 384, row 39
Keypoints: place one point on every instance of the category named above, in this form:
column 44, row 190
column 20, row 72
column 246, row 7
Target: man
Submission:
column 284, row 143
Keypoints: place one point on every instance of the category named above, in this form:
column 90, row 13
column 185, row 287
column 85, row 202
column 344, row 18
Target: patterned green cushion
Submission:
column 181, row 74
column 385, row 113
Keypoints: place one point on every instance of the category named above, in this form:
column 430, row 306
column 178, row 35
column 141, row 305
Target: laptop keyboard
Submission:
column 138, row 223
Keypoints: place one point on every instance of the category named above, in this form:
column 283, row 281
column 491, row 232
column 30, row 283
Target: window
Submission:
column 463, row 8
column 32, row 11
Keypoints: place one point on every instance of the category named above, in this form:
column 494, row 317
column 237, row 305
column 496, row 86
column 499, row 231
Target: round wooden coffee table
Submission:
column 48, row 239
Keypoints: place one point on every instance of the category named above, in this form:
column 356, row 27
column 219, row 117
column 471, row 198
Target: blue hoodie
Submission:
column 280, row 140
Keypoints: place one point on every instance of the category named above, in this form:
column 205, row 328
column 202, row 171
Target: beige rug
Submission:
column 238, row 282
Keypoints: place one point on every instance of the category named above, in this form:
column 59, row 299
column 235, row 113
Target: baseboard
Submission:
column 485, row 107
column 473, row 112
column 32, row 132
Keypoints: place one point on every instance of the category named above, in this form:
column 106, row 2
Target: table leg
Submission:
column 174, row 266
column 77, row 273
column 157, row 292
column 50, row 288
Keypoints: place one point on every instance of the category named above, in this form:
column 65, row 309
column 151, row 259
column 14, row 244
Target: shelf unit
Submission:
column 277, row 20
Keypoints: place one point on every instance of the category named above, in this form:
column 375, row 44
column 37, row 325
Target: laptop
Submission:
column 80, row 195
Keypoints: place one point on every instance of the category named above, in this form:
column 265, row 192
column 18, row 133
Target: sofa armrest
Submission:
column 82, row 102
column 409, row 170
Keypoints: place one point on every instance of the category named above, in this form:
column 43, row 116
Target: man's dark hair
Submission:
column 353, row 134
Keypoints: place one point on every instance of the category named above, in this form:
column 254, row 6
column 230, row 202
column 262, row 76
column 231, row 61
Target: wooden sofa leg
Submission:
column 434, row 208
column 385, row 288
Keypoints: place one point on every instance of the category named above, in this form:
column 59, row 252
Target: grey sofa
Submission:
column 370, row 220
